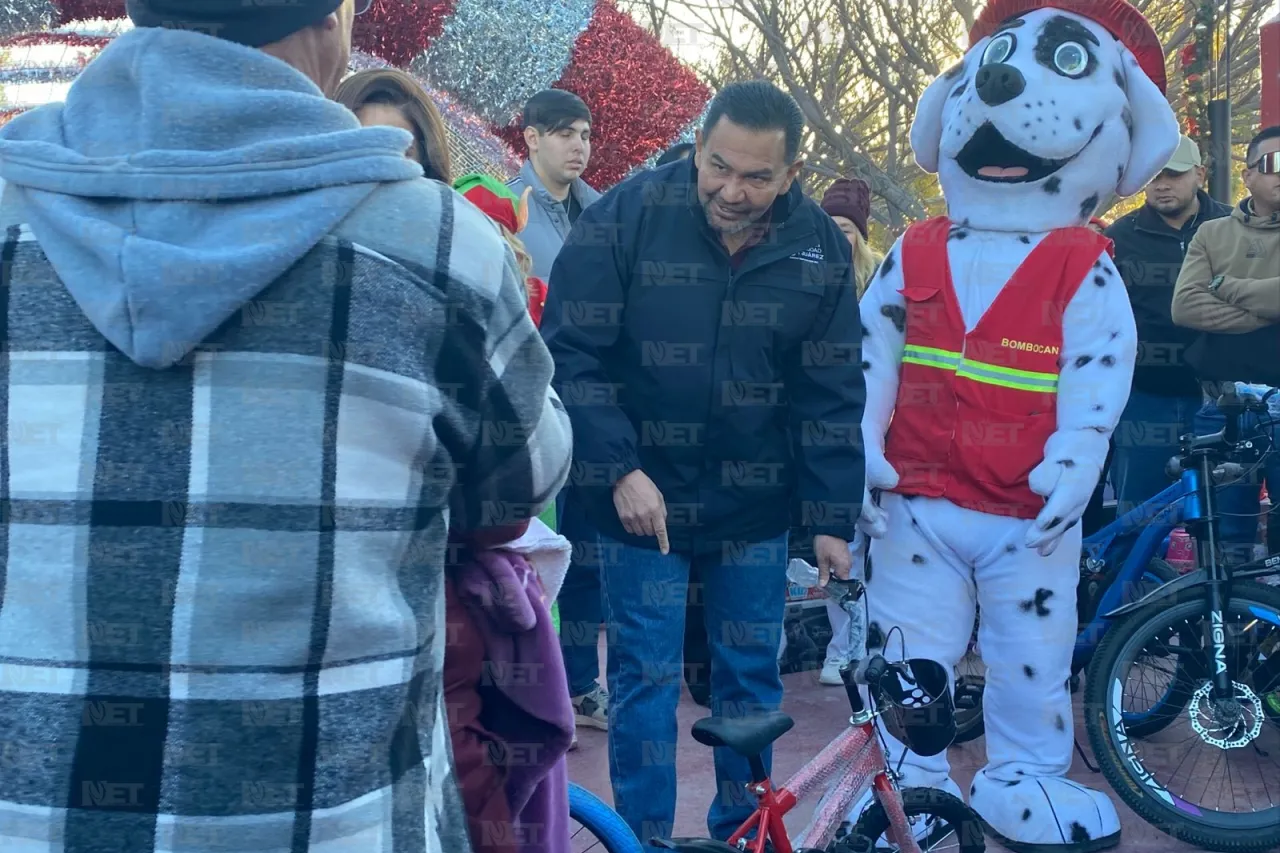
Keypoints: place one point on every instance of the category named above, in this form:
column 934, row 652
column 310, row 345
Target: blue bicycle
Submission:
column 1119, row 565
column 596, row 828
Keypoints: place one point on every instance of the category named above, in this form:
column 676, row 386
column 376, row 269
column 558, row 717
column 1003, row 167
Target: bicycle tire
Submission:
column 917, row 802
column 610, row 830
column 969, row 721
column 1132, row 789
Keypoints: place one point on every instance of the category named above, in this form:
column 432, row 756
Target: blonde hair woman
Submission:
column 848, row 202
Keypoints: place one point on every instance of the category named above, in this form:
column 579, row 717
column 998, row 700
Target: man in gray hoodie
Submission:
column 557, row 132
column 248, row 356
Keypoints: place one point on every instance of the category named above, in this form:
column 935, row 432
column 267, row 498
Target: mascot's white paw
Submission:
column 1068, row 490
column 880, row 475
column 1046, row 815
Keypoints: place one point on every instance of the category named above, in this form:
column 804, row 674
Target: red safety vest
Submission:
column 974, row 410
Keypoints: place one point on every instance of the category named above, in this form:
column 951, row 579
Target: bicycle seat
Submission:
column 746, row 736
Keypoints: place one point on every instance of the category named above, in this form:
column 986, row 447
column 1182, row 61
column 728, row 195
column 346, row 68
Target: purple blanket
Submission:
column 526, row 693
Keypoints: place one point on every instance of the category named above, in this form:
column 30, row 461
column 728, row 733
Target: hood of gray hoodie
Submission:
column 182, row 176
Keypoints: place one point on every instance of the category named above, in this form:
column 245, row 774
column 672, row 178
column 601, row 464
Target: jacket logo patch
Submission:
column 811, row 255
column 1255, row 250
column 1028, row 346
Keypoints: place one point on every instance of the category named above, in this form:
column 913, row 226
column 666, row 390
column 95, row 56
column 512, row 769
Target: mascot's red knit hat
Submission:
column 1121, row 19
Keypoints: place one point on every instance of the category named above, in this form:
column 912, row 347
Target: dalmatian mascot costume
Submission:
column 999, row 347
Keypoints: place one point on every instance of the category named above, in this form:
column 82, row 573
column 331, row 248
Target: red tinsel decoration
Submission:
column 640, row 95
column 88, row 10
column 398, row 30
column 1187, row 55
column 68, row 39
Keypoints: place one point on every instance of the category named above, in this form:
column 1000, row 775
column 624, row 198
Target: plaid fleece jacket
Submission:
column 221, row 584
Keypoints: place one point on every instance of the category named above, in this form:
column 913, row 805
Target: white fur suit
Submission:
column 1048, row 116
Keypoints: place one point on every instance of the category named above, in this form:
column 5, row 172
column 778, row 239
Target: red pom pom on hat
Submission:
column 1121, row 19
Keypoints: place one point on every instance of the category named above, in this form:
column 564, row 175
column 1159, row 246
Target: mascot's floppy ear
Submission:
column 1155, row 128
column 926, row 128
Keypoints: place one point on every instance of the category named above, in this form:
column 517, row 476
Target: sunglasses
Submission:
column 1268, row 164
column 362, row 6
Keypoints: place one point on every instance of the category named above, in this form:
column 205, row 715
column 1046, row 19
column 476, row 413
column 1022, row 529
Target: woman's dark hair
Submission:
column 395, row 88
column 679, row 151
column 758, row 105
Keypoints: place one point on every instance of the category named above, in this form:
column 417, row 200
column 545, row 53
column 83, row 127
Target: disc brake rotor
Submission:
column 1226, row 723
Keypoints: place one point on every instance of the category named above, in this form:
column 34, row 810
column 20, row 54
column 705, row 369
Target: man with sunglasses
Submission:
column 1229, row 290
column 247, row 354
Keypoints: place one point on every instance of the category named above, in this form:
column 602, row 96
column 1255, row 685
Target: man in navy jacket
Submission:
column 705, row 332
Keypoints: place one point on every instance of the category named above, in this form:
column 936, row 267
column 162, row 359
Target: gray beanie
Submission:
column 248, row 22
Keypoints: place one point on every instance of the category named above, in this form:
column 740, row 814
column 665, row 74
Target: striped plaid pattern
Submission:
column 221, row 597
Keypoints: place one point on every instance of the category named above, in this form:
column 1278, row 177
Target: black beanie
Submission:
column 248, row 22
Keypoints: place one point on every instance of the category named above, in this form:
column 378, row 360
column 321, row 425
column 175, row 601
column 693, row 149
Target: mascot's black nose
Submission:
column 999, row 83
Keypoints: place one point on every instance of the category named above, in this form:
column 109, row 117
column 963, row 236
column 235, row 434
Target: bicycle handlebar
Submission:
column 1225, row 440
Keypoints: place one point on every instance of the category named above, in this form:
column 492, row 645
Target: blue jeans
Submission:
column 744, row 594
column 1238, row 504
column 581, row 606
column 1145, row 440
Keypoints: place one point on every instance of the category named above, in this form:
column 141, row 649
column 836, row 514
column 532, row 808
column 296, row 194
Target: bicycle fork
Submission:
column 1201, row 509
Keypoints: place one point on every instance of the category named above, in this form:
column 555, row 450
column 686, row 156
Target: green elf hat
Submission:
column 496, row 199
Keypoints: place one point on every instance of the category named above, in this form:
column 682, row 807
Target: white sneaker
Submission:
column 830, row 674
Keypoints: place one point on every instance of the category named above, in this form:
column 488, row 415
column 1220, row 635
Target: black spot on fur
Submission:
column 1011, row 548
column 1083, row 360
column 1078, row 123
column 1026, row 124
column 1097, row 407
column 1025, row 239
column 887, row 264
column 1026, row 814
column 897, row 315
column 957, row 234
column 875, row 636
column 1119, row 78
column 1059, row 723
column 1053, row 186
column 1115, row 335
column 868, row 569
column 973, row 789
column 1012, row 784
column 1028, row 670
column 1067, row 463
column 1097, row 265
column 1108, row 271
column 1037, row 604
column 1099, row 281
column 917, row 559
column 954, row 71
column 866, row 333
column 1088, row 206
column 1079, row 834
column 866, row 365
column 1108, row 361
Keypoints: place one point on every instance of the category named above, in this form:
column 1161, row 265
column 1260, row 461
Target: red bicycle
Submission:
column 909, row 820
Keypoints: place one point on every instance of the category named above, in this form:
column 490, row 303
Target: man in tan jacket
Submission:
column 1229, row 288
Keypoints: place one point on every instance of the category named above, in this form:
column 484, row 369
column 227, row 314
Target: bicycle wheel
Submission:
column 1148, row 721
column 596, row 828
column 1230, row 800
column 970, row 683
column 958, row 828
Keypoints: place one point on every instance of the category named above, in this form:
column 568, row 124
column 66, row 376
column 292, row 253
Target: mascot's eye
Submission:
column 1000, row 49
column 1071, row 58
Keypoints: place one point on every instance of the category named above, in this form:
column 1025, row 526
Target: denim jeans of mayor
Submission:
column 744, row 598
column 1145, row 440
column 581, row 607
column 1238, row 504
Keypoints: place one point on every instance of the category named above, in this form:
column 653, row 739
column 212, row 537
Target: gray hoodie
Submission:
column 252, row 367
column 548, row 224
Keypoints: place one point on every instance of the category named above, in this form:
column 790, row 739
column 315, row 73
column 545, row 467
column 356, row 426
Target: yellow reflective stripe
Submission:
column 978, row 371
column 1010, row 371
column 1007, row 383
